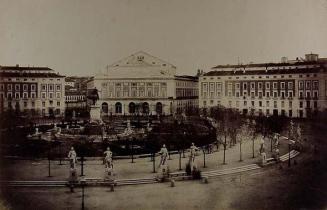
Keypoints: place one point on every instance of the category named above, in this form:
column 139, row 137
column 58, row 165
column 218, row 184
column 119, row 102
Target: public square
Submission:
column 163, row 104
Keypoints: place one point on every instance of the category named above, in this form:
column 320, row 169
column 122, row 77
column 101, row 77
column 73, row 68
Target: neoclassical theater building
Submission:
column 143, row 84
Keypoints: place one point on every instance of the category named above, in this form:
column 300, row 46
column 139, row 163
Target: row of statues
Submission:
column 164, row 154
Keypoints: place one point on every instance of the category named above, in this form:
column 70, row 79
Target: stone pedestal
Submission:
column 95, row 115
column 263, row 158
column 73, row 175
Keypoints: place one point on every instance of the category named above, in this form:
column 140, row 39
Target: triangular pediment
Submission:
column 141, row 59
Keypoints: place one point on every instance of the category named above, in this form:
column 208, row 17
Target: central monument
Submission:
column 95, row 114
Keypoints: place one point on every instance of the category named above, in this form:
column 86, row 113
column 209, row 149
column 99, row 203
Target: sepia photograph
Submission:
column 163, row 104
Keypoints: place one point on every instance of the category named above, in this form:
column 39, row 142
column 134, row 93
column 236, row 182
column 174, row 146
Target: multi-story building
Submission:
column 75, row 95
column 34, row 90
column 144, row 84
column 294, row 88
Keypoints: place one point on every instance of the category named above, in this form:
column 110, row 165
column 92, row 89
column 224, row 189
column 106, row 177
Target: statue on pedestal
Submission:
column 193, row 150
column 164, row 154
column 94, row 96
column 108, row 160
column 72, row 156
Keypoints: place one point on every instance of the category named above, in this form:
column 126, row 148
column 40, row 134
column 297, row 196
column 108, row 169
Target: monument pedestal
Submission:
column 95, row 115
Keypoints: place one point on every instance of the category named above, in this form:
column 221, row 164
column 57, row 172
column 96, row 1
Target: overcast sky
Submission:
column 81, row 37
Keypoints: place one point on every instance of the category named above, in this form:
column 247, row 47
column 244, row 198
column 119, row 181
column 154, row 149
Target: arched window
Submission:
column 131, row 108
column 118, row 107
column 145, row 108
column 159, row 108
column 104, row 107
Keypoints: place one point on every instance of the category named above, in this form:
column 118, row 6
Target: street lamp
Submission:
column 204, row 157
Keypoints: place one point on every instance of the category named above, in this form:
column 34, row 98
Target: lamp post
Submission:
column 224, row 162
column 180, row 159
column 184, row 136
column 204, row 157
column 49, row 163
column 83, row 183
column 154, row 162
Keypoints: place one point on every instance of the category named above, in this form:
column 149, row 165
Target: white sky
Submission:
column 81, row 37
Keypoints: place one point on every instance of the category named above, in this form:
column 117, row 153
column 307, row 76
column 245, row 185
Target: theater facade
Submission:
column 145, row 85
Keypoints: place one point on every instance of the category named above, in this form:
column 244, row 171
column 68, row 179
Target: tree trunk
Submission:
column 241, row 151
column 225, row 151
column 252, row 147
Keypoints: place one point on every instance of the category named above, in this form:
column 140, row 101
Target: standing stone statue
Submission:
column 193, row 150
column 72, row 158
column 164, row 154
column 108, row 159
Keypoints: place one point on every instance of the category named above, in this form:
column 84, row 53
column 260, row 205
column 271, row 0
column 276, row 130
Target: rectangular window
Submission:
column 260, row 94
column 25, row 104
column 43, row 103
column 308, row 94
column 33, row 104
column 25, row 95
column 252, row 85
column 43, row 87
column 290, row 85
column 33, row 95
column 315, row 94
column 32, row 87
column 283, row 94
column 9, row 87
column 308, row 85
column 50, row 95
column 51, row 103
column 17, row 87
column 275, row 94
column 51, row 87
column 267, row 85
column 58, row 103
column 237, row 86
column 290, row 94
column 58, row 95
column 245, row 103
column 260, row 103
column 58, row 87
column 282, row 85
column 17, row 95
column 308, row 104
column 301, row 85
column 260, row 85
column 301, row 104
column 237, row 94
column 25, row 87
column 315, row 104
column 275, row 104
column 267, row 103
column 2, row 87
column 290, row 104
column 244, row 86
column 267, row 94
column 275, row 85
column 282, row 104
